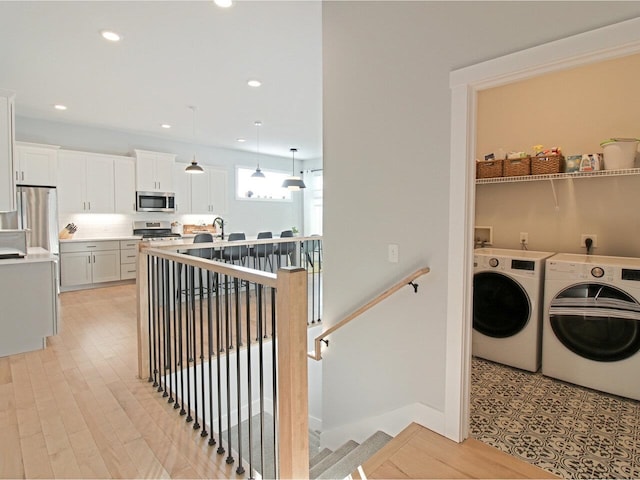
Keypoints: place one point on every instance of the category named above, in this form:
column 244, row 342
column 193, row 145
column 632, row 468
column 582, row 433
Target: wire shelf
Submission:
column 560, row 176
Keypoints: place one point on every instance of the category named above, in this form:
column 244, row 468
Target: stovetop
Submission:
column 155, row 230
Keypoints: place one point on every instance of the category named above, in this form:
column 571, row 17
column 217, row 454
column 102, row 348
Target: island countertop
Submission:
column 34, row 254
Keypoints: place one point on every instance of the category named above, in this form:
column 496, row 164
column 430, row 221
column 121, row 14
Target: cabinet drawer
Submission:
column 97, row 246
column 128, row 271
column 128, row 256
column 129, row 244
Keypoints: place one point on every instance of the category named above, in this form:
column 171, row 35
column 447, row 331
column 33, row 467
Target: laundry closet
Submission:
column 540, row 303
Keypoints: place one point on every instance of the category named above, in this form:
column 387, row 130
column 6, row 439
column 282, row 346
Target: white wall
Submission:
column 386, row 116
column 247, row 216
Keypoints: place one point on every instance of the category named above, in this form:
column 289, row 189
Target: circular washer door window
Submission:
column 501, row 307
column 596, row 321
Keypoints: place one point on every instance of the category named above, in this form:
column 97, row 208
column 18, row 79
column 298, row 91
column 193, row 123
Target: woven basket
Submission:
column 489, row 169
column 517, row 167
column 547, row 164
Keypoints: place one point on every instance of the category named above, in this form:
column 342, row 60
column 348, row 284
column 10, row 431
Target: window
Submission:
column 266, row 189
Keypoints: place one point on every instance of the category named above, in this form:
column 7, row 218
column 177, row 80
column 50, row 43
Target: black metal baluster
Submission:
column 154, row 323
column 212, row 440
column 174, row 379
column 203, row 433
column 218, row 369
column 310, row 259
column 261, row 385
column 249, row 389
column 227, row 339
column 181, row 352
column 259, row 314
column 150, row 316
column 167, row 330
column 240, row 469
column 188, row 321
column 194, row 332
column 163, row 328
column 319, row 280
column 160, row 346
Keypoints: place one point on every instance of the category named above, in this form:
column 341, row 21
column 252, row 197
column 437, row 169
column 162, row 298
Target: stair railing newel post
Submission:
column 293, row 404
column 143, row 316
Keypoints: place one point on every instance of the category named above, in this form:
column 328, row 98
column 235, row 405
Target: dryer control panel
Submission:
column 506, row 264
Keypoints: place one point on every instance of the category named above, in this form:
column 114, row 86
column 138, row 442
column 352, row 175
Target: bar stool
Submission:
column 263, row 251
column 284, row 248
column 239, row 253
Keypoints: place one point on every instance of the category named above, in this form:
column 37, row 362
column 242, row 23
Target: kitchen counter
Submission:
column 98, row 239
column 29, row 299
column 34, row 254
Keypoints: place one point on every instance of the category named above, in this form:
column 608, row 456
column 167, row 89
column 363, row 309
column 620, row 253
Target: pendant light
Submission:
column 258, row 173
column 293, row 182
column 194, row 167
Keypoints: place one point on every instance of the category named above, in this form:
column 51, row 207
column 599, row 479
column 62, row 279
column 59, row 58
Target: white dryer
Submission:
column 592, row 322
column 507, row 301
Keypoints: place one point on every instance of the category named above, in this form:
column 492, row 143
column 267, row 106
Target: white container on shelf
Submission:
column 619, row 153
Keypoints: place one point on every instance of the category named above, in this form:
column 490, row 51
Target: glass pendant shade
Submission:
column 293, row 183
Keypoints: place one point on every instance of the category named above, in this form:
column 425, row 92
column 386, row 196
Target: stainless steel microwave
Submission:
column 156, row 202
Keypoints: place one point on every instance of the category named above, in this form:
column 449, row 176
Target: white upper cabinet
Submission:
column 85, row 182
column 154, row 171
column 182, row 188
column 35, row 164
column 124, row 170
column 209, row 191
column 7, row 179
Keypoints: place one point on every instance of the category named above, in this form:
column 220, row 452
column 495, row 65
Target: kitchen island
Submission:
column 29, row 299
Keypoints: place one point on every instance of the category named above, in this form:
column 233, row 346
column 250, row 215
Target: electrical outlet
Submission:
column 393, row 253
column 592, row 236
column 524, row 238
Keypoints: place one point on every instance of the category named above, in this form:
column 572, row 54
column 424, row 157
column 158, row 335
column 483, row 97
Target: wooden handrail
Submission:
column 317, row 353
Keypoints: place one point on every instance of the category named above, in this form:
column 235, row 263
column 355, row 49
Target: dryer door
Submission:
column 501, row 307
column 596, row 321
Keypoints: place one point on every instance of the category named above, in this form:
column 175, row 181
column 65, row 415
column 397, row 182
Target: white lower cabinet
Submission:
column 87, row 263
column 128, row 259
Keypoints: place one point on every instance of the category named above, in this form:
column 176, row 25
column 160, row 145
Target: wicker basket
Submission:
column 547, row 164
column 517, row 167
column 489, row 169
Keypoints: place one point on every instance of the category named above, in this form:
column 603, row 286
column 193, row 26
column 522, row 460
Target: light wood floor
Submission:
column 77, row 410
column 420, row 453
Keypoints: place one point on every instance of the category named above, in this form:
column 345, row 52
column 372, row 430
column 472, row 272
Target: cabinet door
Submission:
column 7, row 182
column 164, row 172
column 145, row 171
column 71, row 182
column 106, row 266
column 36, row 165
column 75, row 269
column 99, row 184
column 124, row 175
column 182, row 188
column 200, row 193
column 218, row 190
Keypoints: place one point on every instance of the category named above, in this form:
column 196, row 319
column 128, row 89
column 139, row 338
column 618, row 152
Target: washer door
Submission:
column 501, row 306
column 596, row 321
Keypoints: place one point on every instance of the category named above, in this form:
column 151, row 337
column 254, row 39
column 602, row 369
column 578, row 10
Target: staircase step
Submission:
column 356, row 457
column 324, row 453
column 331, row 459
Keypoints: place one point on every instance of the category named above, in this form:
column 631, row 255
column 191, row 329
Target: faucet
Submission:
column 220, row 222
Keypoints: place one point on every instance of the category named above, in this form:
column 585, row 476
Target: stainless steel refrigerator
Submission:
column 37, row 212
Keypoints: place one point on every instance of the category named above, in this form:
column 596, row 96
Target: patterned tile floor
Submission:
column 571, row 431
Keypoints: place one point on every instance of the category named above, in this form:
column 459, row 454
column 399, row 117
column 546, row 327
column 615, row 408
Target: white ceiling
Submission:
column 173, row 54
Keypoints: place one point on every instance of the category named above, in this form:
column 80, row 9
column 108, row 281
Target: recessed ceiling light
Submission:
column 165, row 125
column 223, row 3
column 109, row 35
column 60, row 107
column 241, row 140
column 254, row 83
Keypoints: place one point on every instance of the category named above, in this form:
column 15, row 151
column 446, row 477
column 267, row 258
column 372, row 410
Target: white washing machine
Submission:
column 592, row 322
column 507, row 301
